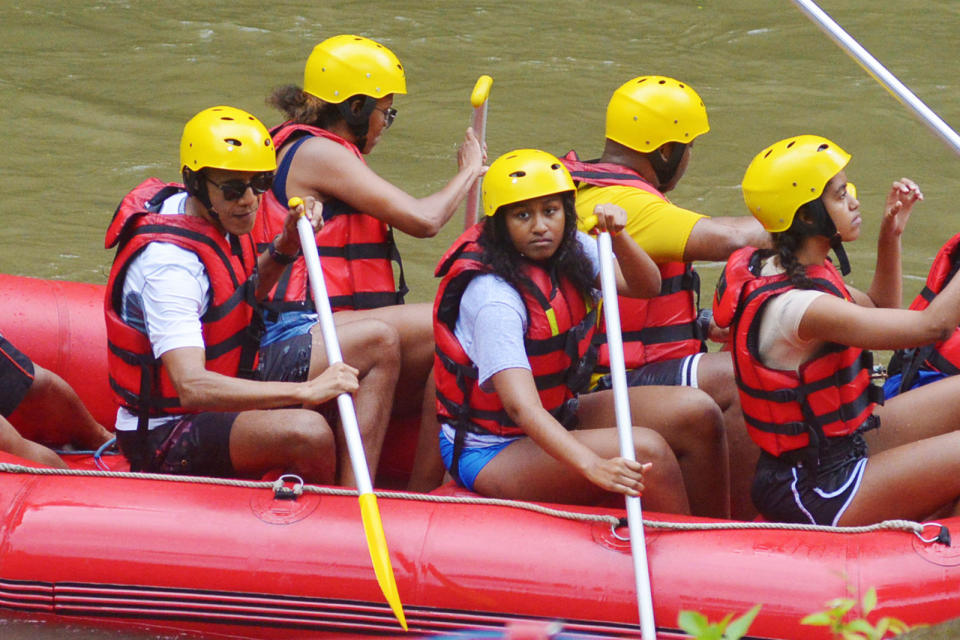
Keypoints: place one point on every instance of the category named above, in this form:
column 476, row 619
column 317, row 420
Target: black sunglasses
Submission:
column 234, row 189
column 389, row 115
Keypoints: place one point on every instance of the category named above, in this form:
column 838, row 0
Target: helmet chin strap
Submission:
column 666, row 169
column 194, row 182
column 823, row 225
column 359, row 122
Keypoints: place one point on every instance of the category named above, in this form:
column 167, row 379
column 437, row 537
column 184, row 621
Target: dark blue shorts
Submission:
column 785, row 492
column 16, row 377
column 286, row 360
column 194, row 445
column 679, row 372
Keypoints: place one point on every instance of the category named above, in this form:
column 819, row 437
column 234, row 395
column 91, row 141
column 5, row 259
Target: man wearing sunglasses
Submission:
column 184, row 332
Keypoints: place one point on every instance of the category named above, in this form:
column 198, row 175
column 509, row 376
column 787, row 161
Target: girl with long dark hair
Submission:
column 831, row 454
column 514, row 318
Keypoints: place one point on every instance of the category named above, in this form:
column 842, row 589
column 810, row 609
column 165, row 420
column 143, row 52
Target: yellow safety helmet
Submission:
column 649, row 111
column 787, row 175
column 226, row 138
column 346, row 65
column 521, row 175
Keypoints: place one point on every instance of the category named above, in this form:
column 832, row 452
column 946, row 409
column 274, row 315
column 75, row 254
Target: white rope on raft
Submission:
column 908, row 526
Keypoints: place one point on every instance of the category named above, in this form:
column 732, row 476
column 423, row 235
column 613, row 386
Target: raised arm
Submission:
column 830, row 318
column 324, row 168
column 286, row 246
column 886, row 289
column 637, row 274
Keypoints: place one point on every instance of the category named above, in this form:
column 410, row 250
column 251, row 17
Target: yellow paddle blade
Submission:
column 377, row 543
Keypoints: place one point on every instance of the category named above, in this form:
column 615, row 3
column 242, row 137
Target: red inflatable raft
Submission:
column 244, row 560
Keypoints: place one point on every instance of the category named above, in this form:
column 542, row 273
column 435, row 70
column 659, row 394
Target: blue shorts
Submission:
column 785, row 492
column 288, row 324
column 286, row 360
column 891, row 388
column 679, row 372
column 472, row 459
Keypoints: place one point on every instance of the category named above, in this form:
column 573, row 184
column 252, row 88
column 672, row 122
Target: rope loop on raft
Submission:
column 281, row 491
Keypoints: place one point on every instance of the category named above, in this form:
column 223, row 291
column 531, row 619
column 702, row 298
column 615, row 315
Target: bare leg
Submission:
column 524, row 471
column 920, row 413
column 715, row 376
column 373, row 347
column 691, row 423
column 295, row 440
column 416, row 393
column 914, row 463
column 414, row 323
column 13, row 442
column 428, row 469
column 53, row 413
column 910, row 481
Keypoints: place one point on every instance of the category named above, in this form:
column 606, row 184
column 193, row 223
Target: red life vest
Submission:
column 230, row 328
column 356, row 248
column 943, row 356
column 660, row 328
column 830, row 396
column 560, row 327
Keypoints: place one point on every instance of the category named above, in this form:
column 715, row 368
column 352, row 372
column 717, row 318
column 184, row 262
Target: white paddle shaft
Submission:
column 880, row 73
column 348, row 415
column 618, row 375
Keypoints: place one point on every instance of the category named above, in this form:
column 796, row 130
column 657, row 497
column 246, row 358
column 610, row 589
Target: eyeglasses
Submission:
column 389, row 115
column 234, row 189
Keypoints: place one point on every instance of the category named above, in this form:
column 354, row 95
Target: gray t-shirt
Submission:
column 493, row 320
column 490, row 328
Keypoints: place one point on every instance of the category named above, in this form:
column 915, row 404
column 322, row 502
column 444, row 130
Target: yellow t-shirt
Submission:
column 660, row 228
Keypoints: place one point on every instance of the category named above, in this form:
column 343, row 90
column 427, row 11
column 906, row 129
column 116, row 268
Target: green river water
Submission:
column 94, row 93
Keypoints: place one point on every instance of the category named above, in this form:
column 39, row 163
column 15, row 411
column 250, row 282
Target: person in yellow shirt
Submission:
column 651, row 125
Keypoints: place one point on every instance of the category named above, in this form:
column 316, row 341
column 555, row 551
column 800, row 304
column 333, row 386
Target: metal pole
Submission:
column 880, row 73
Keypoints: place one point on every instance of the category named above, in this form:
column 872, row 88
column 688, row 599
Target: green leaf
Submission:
column 869, row 601
column 882, row 625
column 739, row 627
column 819, row 619
column 693, row 622
column 898, row 626
column 860, row 625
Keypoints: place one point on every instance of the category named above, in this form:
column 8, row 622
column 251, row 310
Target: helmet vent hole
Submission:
column 791, row 143
column 794, row 184
column 823, row 147
column 767, row 154
column 518, row 174
column 641, row 80
column 555, row 166
column 233, row 142
column 663, row 82
column 681, row 86
column 226, row 118
column 676, row 122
